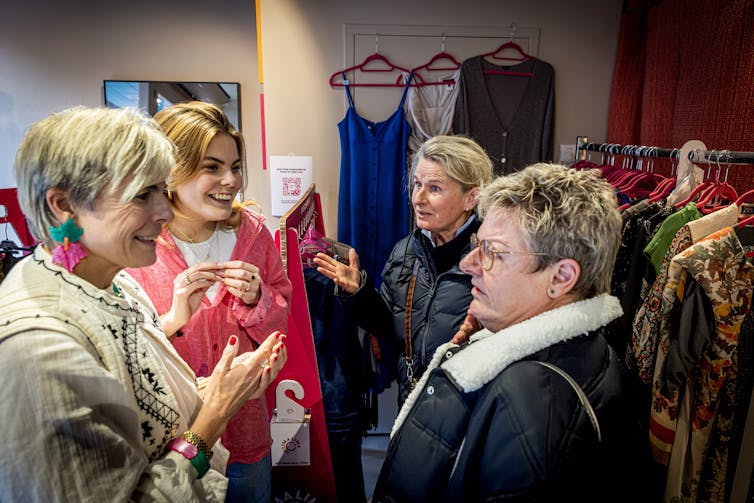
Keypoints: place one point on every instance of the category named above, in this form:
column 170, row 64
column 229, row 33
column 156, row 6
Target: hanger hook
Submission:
column 727, row 164
column 376, row 43
column 513, row 31
column 443, row 42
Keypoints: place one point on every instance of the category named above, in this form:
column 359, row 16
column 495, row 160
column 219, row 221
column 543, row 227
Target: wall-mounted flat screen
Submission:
column 152, row 96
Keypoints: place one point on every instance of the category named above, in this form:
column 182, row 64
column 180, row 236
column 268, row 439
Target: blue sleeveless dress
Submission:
column 373, row 203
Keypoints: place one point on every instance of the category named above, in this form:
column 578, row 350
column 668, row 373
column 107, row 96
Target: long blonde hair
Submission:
column 191, row 127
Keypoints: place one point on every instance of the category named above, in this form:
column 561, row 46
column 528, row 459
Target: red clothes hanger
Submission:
column 451, row 64
column 522, row 56
column 507, row 45
column 376, row 63
column 743, row 198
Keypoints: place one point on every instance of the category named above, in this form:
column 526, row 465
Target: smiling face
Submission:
column 440, row 204
column 207, row 197
column 512, row 290
column 119, row 235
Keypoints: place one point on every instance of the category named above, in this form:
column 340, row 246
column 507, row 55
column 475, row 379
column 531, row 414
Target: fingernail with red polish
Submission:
column 233, row 340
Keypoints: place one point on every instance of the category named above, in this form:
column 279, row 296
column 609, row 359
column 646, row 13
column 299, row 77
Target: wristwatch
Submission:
column 192, row 453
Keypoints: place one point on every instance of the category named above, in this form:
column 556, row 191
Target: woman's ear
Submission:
column 472, row 199
column 57, row 200
column 566, row 274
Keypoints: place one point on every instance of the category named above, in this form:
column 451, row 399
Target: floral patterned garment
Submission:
column 646, row 326
column 719, row 265
column 646, row 323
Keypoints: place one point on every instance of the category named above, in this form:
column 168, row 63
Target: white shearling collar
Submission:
column 488, row 353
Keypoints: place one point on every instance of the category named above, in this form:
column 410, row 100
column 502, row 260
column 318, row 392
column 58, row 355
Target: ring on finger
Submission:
column 248, row 285
column 187, row 277
column 264, row 363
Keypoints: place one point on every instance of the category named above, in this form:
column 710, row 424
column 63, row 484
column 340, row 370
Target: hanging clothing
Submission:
column 510, row 116
column 647, row 321
column 686, row 420
column 373, row 205
column 345, row 378
column 430, row 109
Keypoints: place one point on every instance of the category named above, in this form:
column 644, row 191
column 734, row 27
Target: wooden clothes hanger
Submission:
column 374, row 63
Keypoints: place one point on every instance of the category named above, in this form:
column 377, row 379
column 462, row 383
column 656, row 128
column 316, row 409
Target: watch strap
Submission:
column 192, row 453
column 193, row 438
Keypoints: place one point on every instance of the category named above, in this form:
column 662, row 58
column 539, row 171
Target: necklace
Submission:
column 195, row 253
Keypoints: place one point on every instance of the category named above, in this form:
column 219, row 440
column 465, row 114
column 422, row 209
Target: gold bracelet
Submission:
column 192, row 438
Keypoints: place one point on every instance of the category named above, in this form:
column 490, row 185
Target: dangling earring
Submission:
column 69, row 253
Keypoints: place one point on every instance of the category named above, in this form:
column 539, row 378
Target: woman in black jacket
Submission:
column 422, row 275
column 534, row 406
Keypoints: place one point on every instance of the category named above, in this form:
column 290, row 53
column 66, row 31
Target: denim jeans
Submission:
column 250, row 483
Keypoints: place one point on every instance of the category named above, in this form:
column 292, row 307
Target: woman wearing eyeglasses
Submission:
column 422, row 275
column 533, row 407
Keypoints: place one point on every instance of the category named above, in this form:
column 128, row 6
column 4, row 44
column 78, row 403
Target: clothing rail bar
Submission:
column 698, row 156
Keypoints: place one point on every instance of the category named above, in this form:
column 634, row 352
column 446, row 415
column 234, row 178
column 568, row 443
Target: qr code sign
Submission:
column 291, row 186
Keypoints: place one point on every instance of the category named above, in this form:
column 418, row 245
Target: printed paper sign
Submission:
column 290, row 176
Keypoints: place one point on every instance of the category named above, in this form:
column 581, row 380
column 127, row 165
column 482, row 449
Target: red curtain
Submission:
column 685, row 70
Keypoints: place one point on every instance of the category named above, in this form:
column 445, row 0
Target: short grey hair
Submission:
column 566, row 213
column 462, row 158
column 88, row 152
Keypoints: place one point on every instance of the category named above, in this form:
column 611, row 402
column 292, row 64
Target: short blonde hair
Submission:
column 89, row 153
column 565, row 213
column 463, row 160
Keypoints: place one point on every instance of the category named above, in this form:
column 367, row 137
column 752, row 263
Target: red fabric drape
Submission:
column 685, row 70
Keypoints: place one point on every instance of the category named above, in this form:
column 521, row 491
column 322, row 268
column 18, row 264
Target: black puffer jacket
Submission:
column 439, row 305
column 470, row 433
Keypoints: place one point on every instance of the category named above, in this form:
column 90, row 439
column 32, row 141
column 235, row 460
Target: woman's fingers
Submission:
column 353, row 258
column 229, row 353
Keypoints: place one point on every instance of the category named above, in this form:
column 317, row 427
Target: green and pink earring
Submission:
column 69, row 253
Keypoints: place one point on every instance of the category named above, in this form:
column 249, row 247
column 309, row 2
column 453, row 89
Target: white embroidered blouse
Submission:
column 92, row 394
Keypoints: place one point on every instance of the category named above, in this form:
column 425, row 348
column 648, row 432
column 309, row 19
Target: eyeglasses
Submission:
column 487, row 253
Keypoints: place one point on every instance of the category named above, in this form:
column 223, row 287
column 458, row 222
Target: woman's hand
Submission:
column 235, row 380
column 347, row 277
column 189, row 288
column 242, row 279
column 469, row 326
column 272, row 365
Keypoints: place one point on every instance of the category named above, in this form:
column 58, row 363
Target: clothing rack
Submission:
column 10, row 253
column 697, row 156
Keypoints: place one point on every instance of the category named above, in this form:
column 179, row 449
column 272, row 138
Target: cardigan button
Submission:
column 448, row 355
column 430, row 390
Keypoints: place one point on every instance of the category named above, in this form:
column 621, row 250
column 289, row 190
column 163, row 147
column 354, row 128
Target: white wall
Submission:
column 303, row 44
column 56, row 54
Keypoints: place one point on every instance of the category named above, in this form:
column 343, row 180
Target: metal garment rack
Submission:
column 697, row 156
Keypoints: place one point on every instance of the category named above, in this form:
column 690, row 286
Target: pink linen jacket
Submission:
column 206, row 334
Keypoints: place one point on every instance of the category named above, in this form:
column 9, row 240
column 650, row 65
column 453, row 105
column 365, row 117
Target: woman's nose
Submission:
column 470, row 263
column 417, row 195
column 163, row 211
column 228, row 178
